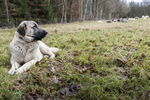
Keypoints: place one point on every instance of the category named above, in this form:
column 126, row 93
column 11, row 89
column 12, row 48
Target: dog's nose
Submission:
column 45, row 32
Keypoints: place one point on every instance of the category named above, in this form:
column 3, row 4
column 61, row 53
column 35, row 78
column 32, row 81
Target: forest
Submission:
column 12, row 12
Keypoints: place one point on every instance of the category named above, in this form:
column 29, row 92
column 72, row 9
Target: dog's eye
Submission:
column 35, row 26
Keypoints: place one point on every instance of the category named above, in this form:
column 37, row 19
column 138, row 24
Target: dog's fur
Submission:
column 27, row 48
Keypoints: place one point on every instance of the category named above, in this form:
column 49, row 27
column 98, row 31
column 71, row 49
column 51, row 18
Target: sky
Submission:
column 134, row 0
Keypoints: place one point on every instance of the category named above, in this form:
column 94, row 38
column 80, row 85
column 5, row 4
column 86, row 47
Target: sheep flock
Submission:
column 123, row 20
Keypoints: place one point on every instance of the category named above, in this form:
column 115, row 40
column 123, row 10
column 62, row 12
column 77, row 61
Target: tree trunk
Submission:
column 81, row 10
column 65, row 14
column 109, row 15
column 97, row 12
column 6, row 6
column 96, row 8
column 49, row 1
column 63, row 10
column 71, row 11
column 85, row 10
column 101, row 13
column 91, row 9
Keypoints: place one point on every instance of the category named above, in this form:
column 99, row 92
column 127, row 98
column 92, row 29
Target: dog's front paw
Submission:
column 16, row 71
column 13, row 71
column 53, row 56
column 54, row 49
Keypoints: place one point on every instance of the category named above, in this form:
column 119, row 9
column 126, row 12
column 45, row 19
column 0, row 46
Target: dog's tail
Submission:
column 54, row 49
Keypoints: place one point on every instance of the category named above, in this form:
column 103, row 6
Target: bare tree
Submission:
column 80, row 9
column 6, row 7
column 85, row 10
column 64, row 12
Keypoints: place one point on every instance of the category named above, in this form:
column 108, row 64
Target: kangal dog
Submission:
column 27, row 48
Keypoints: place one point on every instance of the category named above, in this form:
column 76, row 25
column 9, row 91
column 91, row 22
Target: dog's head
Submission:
column 29, row 31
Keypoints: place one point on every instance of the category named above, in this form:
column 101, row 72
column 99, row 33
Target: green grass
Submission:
column 95, row 61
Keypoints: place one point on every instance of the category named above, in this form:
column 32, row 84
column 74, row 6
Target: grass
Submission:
column 95, row 61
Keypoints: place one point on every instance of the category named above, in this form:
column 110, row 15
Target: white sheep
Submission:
column 131, row 19
column 145, row 17
column 100, row 21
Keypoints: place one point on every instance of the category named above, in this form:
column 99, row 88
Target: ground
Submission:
column 95, row 61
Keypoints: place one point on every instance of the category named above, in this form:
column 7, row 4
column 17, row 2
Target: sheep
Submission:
column 145, row 17
column 136, row 17
column 124, row 21
column 131, row 18
column 109, row 21
column 100, row 21
column 119, row 20
column 113, row 20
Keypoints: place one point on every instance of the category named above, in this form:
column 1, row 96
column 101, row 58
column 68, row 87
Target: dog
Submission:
column 27, row 47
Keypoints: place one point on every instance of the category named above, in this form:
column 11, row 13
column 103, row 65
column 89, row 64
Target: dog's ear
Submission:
column 21, row 29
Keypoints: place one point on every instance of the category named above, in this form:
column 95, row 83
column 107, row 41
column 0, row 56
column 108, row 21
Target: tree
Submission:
column 2, row 10
column 6, row 7
column 21, row 8
column 123, row 9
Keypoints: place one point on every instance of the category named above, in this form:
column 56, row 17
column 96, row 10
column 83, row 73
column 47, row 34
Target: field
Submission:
column 96, row 61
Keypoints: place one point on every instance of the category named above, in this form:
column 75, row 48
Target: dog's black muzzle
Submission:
column 38, row 35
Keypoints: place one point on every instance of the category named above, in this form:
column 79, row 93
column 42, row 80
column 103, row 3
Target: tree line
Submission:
column 65, row 11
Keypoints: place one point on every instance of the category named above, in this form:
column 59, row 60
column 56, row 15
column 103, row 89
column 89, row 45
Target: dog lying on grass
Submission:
column 27, row 48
